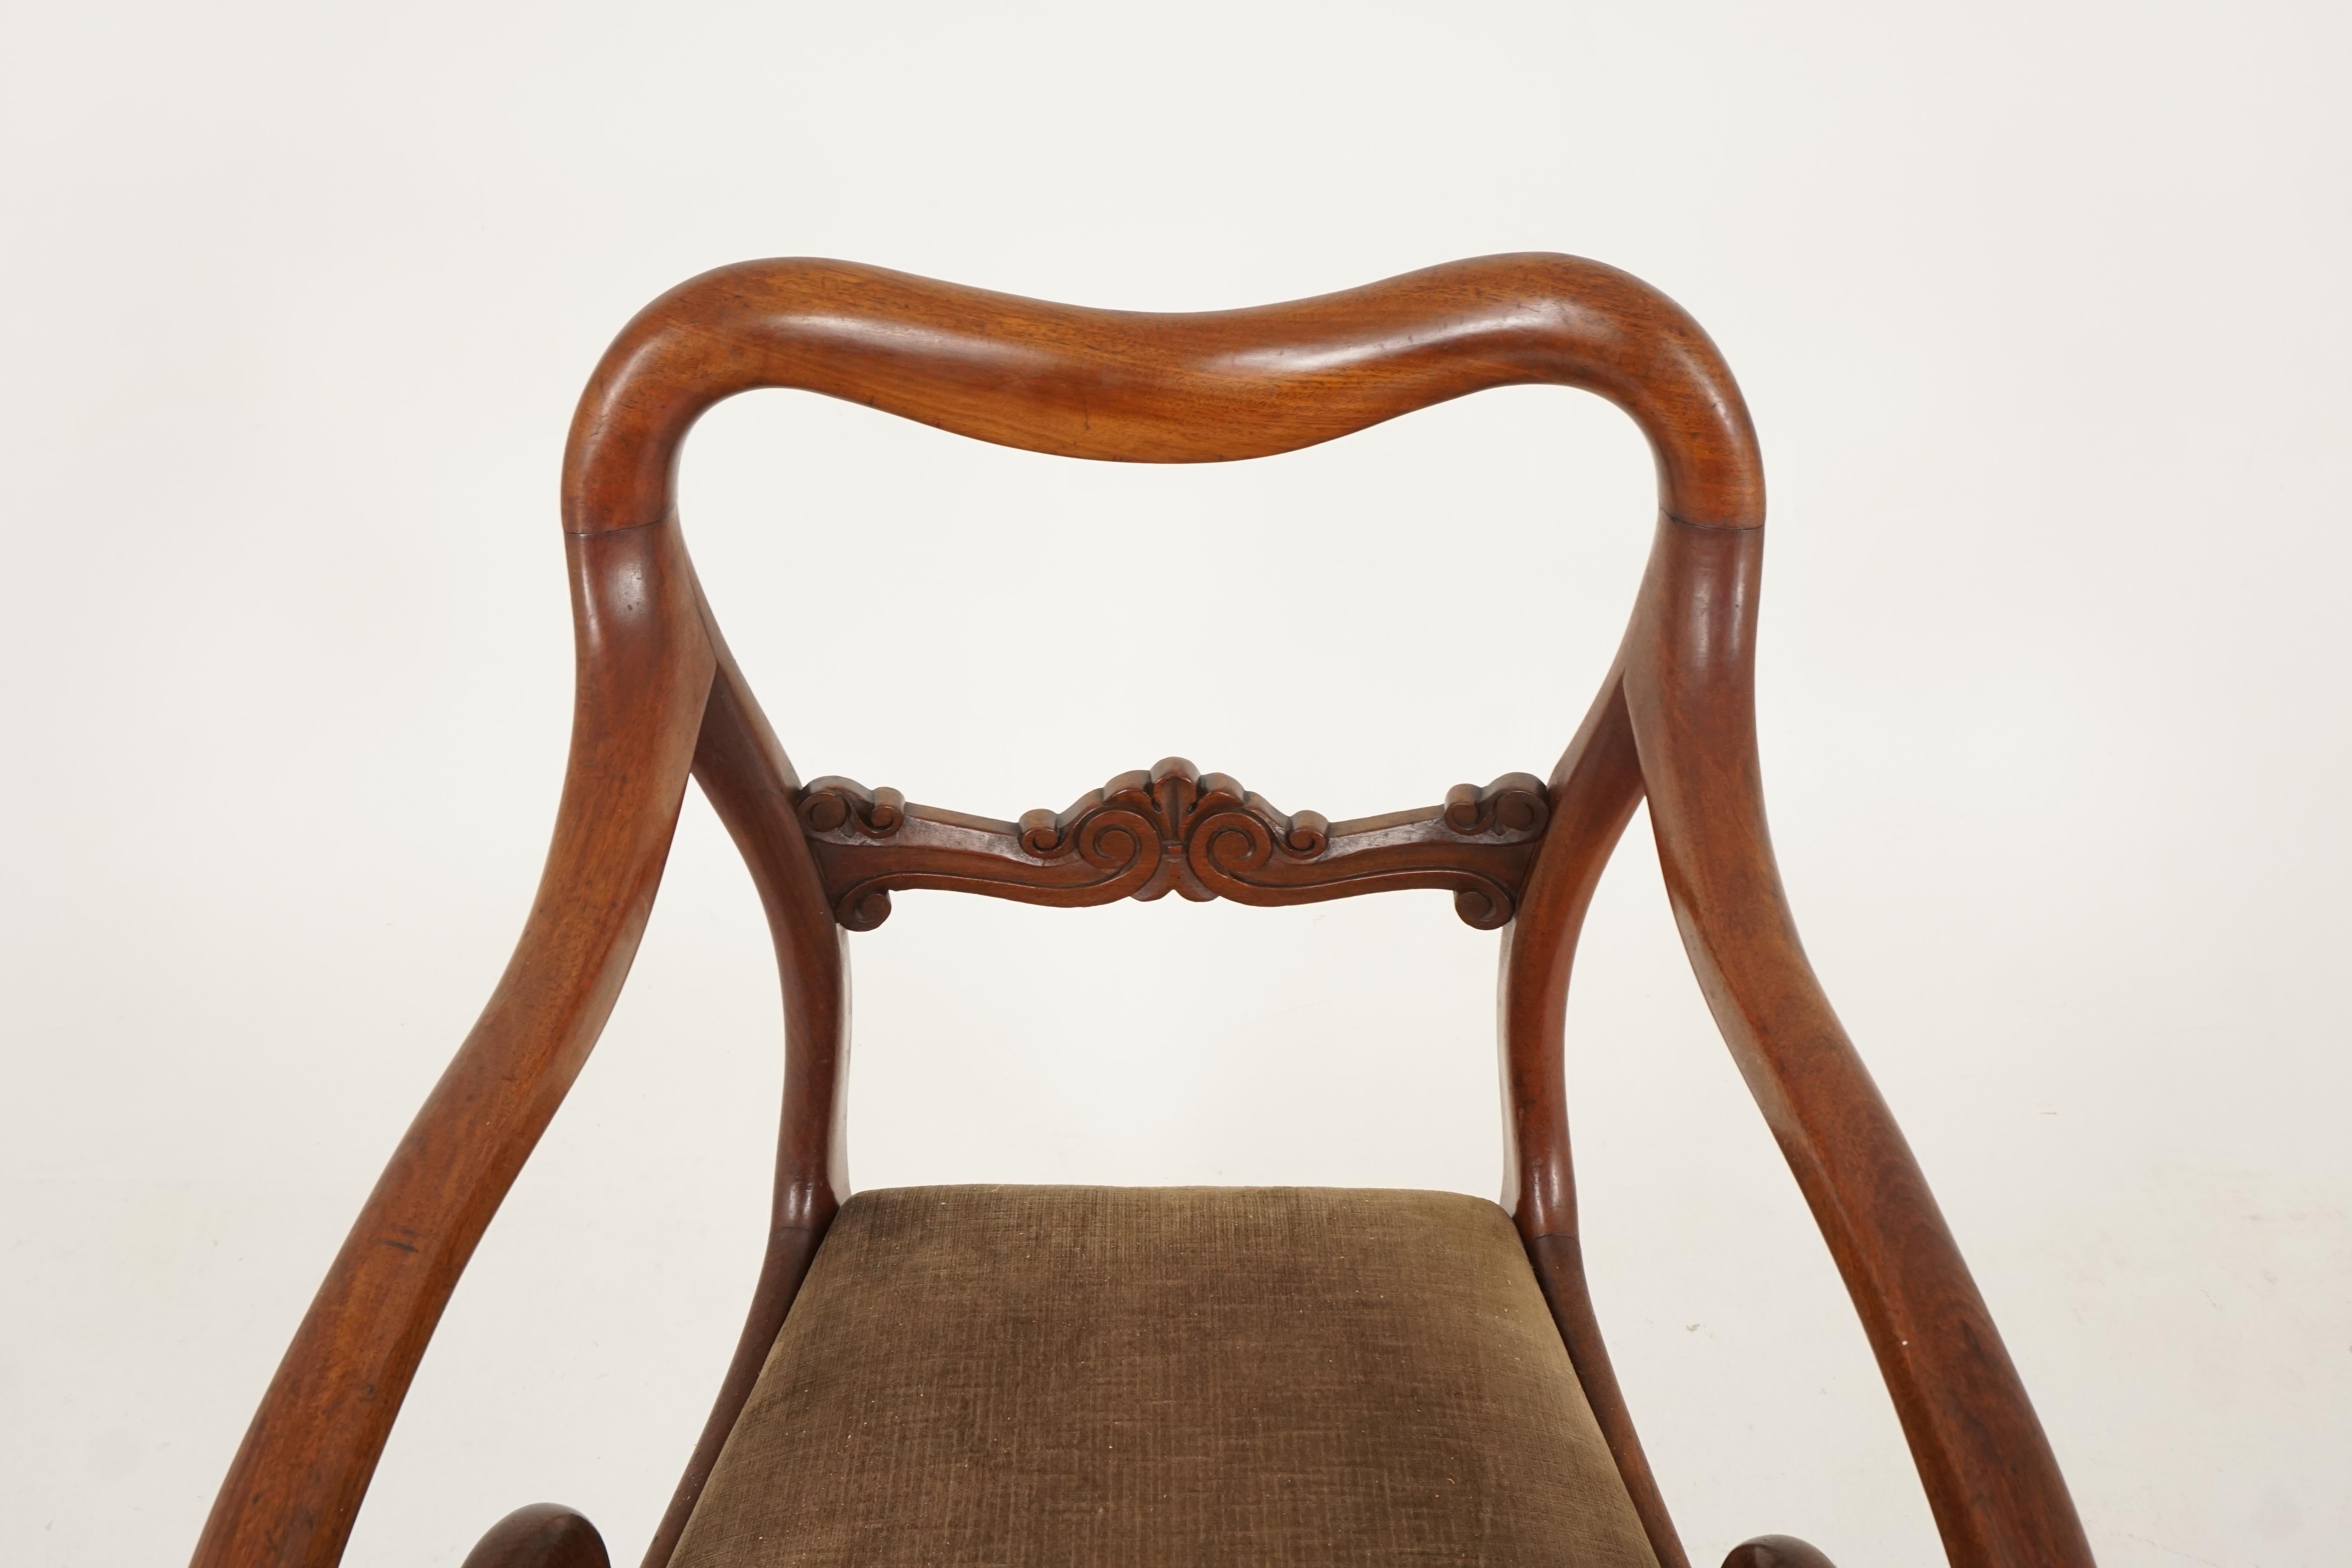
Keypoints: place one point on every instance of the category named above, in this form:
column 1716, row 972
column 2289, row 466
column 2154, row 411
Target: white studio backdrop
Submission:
column 2041, row 313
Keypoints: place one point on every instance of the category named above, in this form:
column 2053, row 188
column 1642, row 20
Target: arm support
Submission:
column 1676, row 723
column 645, row 666
column 1991, row 1476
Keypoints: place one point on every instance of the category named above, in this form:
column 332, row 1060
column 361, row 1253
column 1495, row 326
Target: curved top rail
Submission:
column 1131, row 387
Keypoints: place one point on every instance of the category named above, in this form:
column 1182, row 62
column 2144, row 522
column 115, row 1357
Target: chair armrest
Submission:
column 645, row 672
column 1991, row 1478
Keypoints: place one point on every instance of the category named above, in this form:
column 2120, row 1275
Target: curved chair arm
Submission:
column 539, row 1535
column 1764, row 1551
column 1150, row 388
column 1084, row 383
column 1689, row 688
column 644, row 672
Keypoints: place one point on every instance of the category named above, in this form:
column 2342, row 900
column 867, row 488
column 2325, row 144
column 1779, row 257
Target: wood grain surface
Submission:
column 1173, row 828
column 1776, row 1552
column 539, row 1535
column 658, row 697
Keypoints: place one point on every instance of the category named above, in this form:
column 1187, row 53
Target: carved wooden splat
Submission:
column 1174, row 829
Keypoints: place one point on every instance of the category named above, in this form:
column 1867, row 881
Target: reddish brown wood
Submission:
column 644, row 672
column 1689, row 685
column 1598, row 783
column 1124, row 385
column 750, row 783
column 1776, row 1552
column 541, row 1535
column 657, row 695
column 1173, row 829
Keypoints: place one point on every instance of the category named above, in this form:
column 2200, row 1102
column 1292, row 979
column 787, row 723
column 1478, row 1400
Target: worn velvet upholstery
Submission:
column 1083, row 1378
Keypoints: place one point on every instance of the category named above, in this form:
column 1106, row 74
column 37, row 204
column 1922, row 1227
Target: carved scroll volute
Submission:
column 838, row 810
column 1173, row 828
column 1124, row 830
column 1242, row 836
column 1148, row 828
column 835, row 805
column 1515, row 809
column 1516, row 805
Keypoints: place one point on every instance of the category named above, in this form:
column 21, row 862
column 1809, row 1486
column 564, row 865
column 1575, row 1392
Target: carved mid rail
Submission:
column 658, row 697
column 1173, row 829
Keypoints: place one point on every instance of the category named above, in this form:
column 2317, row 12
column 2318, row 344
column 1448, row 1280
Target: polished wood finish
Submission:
column 1123, row 385
column 1598, row 783
column 658, row 696
column 1173, row 829
column 643, row 673
column 1689, row 686
column 750, row 783
column 541, row 1535
column 1776, row 1552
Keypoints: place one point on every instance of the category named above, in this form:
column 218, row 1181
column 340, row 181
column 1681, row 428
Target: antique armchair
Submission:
column 1296, row 1376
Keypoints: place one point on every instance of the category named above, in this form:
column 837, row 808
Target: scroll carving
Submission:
column 837, row 804
column 1173, row 828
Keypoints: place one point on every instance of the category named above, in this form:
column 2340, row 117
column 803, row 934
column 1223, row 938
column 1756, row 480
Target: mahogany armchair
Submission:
column 1297, row 1375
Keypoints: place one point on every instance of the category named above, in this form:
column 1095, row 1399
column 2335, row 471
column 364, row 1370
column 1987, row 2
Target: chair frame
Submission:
column 659, row 698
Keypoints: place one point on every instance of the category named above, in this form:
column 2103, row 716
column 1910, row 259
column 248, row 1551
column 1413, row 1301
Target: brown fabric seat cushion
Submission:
column 1019, row 1377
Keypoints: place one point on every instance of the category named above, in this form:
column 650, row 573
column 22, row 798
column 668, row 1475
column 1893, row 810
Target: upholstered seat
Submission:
column 1016, row 1376
column 1025, row 1376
